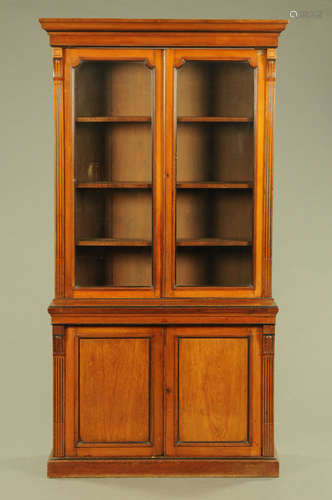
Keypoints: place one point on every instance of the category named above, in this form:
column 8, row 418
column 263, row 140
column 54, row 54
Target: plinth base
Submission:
column 162, row 467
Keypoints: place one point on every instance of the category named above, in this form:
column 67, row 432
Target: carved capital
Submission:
column 271, row 56
column 268, row 344
column 58, row 345
column 57, row 63
column 58, row 340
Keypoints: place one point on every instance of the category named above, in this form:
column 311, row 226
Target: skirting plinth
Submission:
column 162, row 467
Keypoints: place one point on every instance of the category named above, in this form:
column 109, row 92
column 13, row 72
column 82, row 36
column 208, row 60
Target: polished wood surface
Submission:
column 161, row 467
column 122, row 414
column 163, row 217
column 114, row 391
column 131, row 313
column 213, row 390
column 117, row 24
column 213, row 400
column 166, row 32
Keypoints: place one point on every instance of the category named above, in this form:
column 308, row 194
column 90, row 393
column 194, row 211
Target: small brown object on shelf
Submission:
column 95, row 171
column 163, row 317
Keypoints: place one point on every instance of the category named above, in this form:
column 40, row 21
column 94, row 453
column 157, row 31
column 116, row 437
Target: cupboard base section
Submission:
column 162, row 467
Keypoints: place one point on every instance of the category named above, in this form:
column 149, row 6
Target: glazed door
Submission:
column 213, row 381
column 113, row 172
column 114, row 391
column 214, row 164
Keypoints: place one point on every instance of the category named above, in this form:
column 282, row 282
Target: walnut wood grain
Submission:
column 114, row 400
column 213, row 390
column 114, row 391
column 195, row 424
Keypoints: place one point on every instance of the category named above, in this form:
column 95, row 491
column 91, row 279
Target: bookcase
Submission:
column 163, row 317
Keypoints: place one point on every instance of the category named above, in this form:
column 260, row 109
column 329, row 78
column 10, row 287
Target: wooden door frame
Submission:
column 245, row 449
column 73, row 446
column 153, row 58
column 175, row 58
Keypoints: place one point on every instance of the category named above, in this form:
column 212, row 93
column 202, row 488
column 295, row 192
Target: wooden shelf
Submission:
column 113, row 119
column 215, row 119
column 114, row 185
column 214, row 185
column 112, row 242
column 212, row 242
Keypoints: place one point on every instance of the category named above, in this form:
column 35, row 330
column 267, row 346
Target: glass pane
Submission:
column 113, row 174
column 214, row 174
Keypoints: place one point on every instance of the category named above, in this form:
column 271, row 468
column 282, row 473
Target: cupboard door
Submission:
column 213, row 383
column 214, row 166
column 114, row 391
column 114, row 172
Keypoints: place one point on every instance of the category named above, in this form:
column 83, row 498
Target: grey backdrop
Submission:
column 301, row 267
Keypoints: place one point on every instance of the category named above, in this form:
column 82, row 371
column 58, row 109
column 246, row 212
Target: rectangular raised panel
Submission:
column 213, row 398
column 213, row 389
column 114, row 390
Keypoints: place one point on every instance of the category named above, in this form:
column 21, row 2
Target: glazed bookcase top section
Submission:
column 163, row 32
